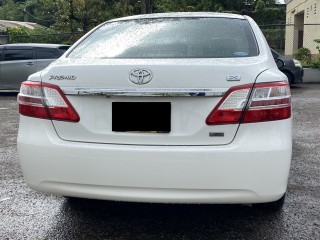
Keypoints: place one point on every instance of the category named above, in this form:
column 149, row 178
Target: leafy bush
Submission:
column 317, row 47
column 303, row 55
column 41, row 35
column 315, row 62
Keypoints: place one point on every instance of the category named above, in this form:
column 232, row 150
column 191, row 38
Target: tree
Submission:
column 146, row 6
column 38, row 11
column 260, row 6
column 9, row 11
column 82, row 15
column 267, row 15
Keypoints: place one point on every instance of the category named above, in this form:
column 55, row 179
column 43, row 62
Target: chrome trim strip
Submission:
column 146, row 92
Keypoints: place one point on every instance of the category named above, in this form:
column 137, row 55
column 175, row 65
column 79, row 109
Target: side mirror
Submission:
column 279, row 63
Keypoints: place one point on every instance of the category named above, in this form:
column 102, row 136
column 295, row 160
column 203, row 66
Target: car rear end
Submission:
column 186, row 108
column 298, row 71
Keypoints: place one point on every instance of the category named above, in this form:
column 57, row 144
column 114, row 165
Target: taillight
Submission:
column 47, row 101
column 248, row 104
column 269, row 102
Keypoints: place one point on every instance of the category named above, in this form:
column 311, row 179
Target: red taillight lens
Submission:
column 43, row 100
column 230, row 109
column 268, row 102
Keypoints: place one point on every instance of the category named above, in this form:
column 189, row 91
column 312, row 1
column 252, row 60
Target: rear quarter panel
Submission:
column 43, row 63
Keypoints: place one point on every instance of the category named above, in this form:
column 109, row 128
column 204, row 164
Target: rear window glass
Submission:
column 18, row 54
column 170, row 38
column 44, row 53
column 63, row 49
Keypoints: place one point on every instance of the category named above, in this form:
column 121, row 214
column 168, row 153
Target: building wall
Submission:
column 299, row 14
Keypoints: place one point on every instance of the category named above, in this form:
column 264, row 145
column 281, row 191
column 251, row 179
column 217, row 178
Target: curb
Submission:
column 311, row 75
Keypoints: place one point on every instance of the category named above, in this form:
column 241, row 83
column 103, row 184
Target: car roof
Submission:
column 182, row 15
column 32, row 45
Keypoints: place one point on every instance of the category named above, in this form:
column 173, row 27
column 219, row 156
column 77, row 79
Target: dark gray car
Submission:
column 18, row 61
column 290, row 67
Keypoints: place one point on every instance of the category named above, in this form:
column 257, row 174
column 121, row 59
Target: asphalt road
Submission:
column 25, row 214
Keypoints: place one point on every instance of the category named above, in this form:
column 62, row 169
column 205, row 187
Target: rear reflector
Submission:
column 248, row 104
column 47, row 101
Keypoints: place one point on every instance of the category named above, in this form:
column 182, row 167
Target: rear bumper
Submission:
column 253, row 168
column 297, row 75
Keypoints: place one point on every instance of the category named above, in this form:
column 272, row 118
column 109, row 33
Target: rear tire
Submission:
column 271, row 206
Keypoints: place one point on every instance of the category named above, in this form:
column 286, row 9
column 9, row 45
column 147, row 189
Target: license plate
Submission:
column 141, row 117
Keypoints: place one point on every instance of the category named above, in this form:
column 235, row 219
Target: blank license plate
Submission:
column 152, row 117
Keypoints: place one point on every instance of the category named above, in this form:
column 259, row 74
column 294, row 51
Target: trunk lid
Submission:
column 85, row 82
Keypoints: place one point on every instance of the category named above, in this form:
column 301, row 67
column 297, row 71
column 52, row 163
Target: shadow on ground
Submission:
column 93, row 219
column 8, row 94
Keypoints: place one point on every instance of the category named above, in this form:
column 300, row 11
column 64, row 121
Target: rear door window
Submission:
column 170, row 38
column 45, row 53
column 18, row 54
column 63, row 49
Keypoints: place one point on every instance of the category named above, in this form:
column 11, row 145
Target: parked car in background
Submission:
column 292, row 68
column 170, row 108
column 18, row 61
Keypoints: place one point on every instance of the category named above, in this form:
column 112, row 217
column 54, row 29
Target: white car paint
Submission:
column 249, row 164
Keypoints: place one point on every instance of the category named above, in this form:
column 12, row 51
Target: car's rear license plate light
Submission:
column 141, row 117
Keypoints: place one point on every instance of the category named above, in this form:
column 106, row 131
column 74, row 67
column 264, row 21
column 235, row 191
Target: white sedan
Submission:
column 168, row 108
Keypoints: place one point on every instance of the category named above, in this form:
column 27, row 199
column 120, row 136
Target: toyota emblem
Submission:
column 140, row 76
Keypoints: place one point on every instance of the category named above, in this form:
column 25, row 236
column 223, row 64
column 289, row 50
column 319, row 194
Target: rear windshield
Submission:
column 170, row 38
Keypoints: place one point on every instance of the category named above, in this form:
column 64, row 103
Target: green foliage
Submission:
column 83, row 15
column 38, row 11
column 303, row 55
column 74, row 15
column 40, row 35
column 317, row 47
column 268, row 15
column 79, row 16
column 260, row 6
column 315, row 63
column 175, row 6
column 10, row 11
